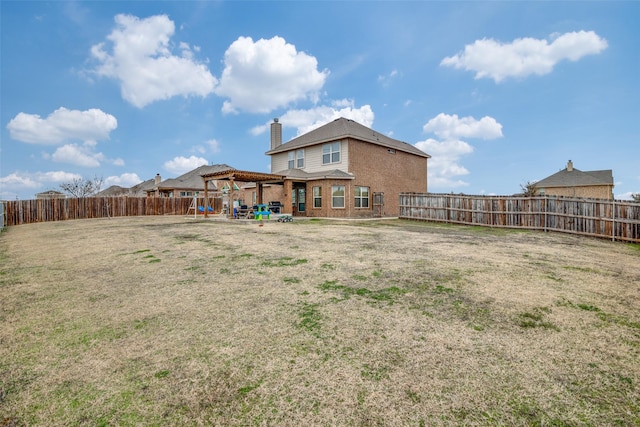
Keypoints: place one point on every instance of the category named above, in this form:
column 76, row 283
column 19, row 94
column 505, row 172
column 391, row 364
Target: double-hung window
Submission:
column 362, row 197
column 317, row 197
column 331, row 153
column 295, row 159
column 337, row 196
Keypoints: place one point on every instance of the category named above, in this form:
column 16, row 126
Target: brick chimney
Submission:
column 158, row 179
column 276, row 134
column 569, row 166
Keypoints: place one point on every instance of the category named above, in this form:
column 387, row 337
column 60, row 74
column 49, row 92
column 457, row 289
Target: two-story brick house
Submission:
column 344, row 169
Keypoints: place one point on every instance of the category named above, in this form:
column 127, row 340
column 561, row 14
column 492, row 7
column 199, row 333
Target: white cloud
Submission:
column 211, row 146
column 263, row 75
column 214, row 145
column 445, row 169
column 386, row 80
column 444, row 166
column 77, row 155
column 141, row 59
column 18, row 182
column 123, row 180
column 626, row 196
column 61, row 126
column 525, row 56
column 450, row 126
column 180, row 165
column 307, row 120
column 56, row 176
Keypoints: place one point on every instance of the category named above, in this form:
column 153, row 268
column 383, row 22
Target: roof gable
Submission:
column 346, row 128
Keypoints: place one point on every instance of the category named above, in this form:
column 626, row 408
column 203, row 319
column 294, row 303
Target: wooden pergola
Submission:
column 233, row 175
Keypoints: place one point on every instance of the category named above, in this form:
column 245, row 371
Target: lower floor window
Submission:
column 337, row 196
column 317, row 197
column 362, row 197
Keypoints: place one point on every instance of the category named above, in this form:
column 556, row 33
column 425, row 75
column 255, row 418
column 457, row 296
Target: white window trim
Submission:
column 291, row 160
column 331, row 152
column 344, row 198
column 361, row 198
column 317, row 198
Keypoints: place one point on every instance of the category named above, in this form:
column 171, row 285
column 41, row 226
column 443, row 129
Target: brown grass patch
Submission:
column 172, row 321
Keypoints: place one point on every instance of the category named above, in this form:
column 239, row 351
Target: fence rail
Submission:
column 29, row 211
column 613, row 219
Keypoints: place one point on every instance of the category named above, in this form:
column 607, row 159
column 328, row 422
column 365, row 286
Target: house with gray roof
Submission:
column 345, row 169
column 188, row 184
column 138, row 190
column 571, row 182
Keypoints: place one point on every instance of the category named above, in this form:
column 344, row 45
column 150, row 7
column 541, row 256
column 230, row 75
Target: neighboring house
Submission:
column 186, row 185
column 138, row 190
column 50, row 194
column 343, row 169
column 113, row 191
column 571, row 182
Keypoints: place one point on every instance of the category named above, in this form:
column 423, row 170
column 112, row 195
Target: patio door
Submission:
column 299, row 198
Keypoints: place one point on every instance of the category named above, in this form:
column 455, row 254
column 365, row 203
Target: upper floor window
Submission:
column 295, row 159
column 300, row 159
column 331, row 153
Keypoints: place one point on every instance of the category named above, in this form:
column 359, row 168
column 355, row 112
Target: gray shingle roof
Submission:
column 139, row 189
column 114, row 190
column 346, row 128
column 577, row 178
column 308, row 176
column 192, row 180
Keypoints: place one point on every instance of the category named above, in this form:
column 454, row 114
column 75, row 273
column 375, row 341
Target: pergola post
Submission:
column 231, row 184
column 259, row 193
column 206, row 198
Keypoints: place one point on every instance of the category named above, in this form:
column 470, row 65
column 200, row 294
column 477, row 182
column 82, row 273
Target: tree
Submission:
column 528, row 189
column 82, row 187
column 635, row 197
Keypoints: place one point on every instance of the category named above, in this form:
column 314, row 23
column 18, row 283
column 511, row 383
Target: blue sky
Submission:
column 498, row 93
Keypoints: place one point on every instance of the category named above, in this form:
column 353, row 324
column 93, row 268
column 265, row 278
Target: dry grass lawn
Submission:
column 182, row 322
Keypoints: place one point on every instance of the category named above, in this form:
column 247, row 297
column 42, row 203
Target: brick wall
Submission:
column 589, row 192
column 388, row 171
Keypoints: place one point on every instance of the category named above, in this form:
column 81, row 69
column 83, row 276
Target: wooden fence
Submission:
column 612, row 219
column 29, row 211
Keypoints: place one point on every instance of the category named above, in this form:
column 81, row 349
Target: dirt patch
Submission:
column 175, row 321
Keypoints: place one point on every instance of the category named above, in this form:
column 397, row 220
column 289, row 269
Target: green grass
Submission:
column 310, row 318
column 536, row 319
column 388, row 295
column 283, row 262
